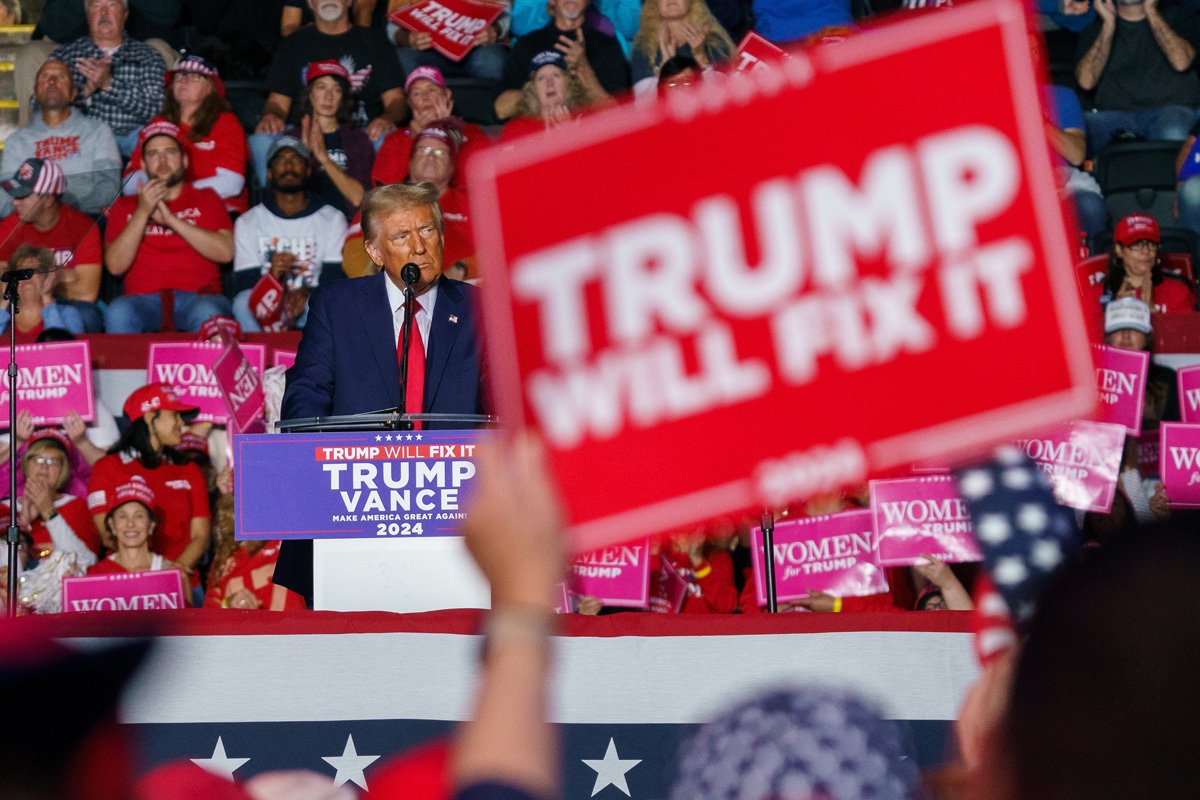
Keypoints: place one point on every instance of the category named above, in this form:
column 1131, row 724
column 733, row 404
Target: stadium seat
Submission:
column 1139, row 177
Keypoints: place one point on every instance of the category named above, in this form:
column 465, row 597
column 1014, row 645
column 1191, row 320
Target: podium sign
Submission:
column 352, row 485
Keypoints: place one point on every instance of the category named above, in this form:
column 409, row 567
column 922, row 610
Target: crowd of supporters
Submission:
column 163, row 207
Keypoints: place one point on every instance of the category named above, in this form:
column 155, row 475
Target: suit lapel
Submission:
column 376, row 318
column 449, row 316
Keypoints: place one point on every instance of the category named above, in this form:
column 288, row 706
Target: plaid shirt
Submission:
column 136, row 93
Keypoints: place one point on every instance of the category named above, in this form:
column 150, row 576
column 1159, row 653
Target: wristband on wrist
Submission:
column 703, row 572
column 837, row 605
column 529, row 625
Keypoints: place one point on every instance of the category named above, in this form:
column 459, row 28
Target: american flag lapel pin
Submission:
column 453, row 319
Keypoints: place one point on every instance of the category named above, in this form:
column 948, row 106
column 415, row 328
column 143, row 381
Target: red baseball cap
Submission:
column 57, row 436
column 136, row 490
column 217, row 323
column 160, row 127
column 1136, row 228
column 328, row 67
column 155, row 397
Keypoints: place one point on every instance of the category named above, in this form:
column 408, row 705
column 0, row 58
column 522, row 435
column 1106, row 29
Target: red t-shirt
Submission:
column 254, row 572
column 74, row 512
column 391, row 162
column 459, row 240
column 179, row 491
column 74, row 240
column 1170, row 294
column 224, row 147
column 164, row 260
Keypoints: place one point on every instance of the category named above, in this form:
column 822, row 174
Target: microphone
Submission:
column 410, row 273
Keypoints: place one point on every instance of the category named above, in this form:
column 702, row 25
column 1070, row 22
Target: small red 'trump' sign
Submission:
column 739, row 311
column 453, row 24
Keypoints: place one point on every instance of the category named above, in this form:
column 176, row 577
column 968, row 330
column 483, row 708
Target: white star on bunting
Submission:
column 350, row 765
column 220, row 764
column 610, row 770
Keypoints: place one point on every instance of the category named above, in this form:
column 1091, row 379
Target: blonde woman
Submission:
column 673, row 28
column 551, row 97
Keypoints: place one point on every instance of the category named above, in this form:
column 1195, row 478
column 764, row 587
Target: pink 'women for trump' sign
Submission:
column 1083, row 460
column 922, row 516
column 242, row 386
column 284, row 358
column 616, row 576
column 832, row 553
column 1121, row 382
column 188, row 366
column 53, row 380
column 1180, row 463
column 1188, row 380
column 129, row 591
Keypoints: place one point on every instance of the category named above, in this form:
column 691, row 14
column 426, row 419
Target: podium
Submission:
column 381, row 501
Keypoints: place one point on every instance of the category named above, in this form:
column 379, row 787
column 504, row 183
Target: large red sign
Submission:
column 780, row 283
column 452, row 24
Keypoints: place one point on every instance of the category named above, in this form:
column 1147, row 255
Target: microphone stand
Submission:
column 12, row 280
column 410, row 274
column 768, row 530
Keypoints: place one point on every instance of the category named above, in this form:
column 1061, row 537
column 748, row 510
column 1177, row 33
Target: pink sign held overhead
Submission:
column 1083, row 460
column 284, row 358
column 616, row 576
column 689, row 315
column 923, row 515
column 1181, row 463
column 130, row 591
column 242, row 387
column 755, row 52
column 1121, row 382
column 1188, row 380
column 832, row 553
column 53, row 380
column 188, row 366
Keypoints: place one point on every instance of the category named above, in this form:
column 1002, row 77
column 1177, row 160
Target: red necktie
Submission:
column 414, row 397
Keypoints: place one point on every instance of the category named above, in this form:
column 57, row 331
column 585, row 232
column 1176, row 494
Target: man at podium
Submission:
column 349, row 356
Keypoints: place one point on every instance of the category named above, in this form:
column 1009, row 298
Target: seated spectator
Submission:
column 617, row 18
column 595, row 59
column 1187, row 191
column 340, row 155
column 1139, row 499
column 943, row 591
column 41, row 220
column 168, row 242
column 676, row 28
column 434, row 155
column 292, row 235
column 10, row 12
column 86, row 441
column 707, row 569
column 484, row 61
column 1065, row 129
column 783, row 21
column 1135, row 269
column 242, row 571
column 38, row 310
column 145, row 454
column 430, row 99
column 83, row 147
column 212, row 136
column 129, row 523
column 1139, row 59
column 54, row 520
column 369, row 59
column 678, row 72
column 552, row 97
column 119, row 79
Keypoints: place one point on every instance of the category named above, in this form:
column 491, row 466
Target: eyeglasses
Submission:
column 184, row 75
column 428, row 150
column 47, row 461
column 1144, row 244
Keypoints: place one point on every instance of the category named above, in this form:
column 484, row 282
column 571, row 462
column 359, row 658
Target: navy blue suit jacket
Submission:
column 346, row 364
